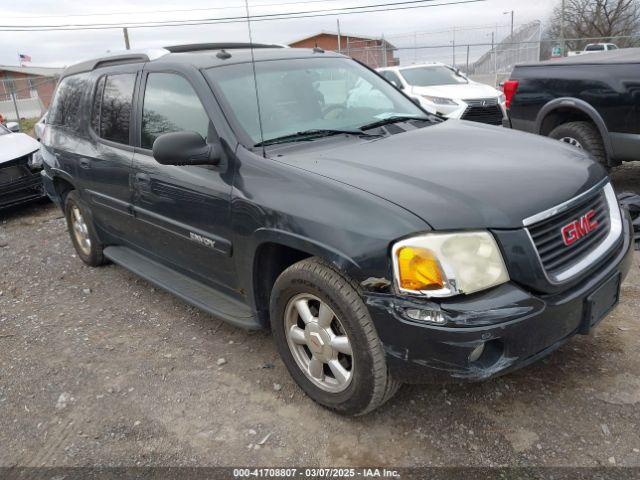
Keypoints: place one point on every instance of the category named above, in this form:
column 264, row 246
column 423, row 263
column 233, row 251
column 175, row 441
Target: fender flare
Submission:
column 304, row 244
column 584, row 107
column 266, row 235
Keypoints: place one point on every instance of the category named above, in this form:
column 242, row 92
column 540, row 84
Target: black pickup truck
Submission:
column 590, row 101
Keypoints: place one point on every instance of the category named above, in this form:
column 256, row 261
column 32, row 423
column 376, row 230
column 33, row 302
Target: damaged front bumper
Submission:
column 21, row 190
column 514, row 326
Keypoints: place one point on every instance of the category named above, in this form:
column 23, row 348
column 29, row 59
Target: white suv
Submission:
column 442, row 89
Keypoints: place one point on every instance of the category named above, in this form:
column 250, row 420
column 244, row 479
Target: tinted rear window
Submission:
column 112, row 105
column 65, row 108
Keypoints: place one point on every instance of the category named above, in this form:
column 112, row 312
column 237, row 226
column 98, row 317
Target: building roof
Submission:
column 342, row 34
column 38, row 71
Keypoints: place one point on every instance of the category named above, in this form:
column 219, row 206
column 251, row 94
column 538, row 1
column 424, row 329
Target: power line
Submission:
column 226, row 7
column 256, row 18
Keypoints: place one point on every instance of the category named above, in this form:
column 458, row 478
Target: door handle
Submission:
column 84, row 163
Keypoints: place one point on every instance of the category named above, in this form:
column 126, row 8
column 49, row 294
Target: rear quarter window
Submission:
column 65, row 109
column 112, row 105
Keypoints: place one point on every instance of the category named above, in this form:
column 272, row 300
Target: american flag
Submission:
column 24, row 57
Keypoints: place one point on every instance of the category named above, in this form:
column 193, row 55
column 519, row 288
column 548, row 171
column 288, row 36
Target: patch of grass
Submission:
column 26, row 125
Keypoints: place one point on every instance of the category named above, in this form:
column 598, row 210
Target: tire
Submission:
column 586, row 135
column 315, row 282
column 81, row 230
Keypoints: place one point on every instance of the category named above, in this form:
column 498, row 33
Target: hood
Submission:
column 16, row 145
column 456, row 174
column 459, row 91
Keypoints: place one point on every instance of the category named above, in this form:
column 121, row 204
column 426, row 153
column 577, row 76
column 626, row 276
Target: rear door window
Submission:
column 67, row 103
column 171, row 105
column 112, row 103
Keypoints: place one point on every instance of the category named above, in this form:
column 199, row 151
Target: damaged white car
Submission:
column 20, row 166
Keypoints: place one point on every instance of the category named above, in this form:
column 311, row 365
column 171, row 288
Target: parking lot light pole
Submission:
column 512, row 13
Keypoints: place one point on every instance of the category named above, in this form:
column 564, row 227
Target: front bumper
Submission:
column 517, row 327
column 21, row 190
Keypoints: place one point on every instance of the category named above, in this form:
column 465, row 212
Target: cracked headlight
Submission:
column 447, row 264
column 439, row 100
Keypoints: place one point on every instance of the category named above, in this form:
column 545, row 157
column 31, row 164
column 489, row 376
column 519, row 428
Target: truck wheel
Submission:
column 583, row 135
column 327, row 340
column 83, row 235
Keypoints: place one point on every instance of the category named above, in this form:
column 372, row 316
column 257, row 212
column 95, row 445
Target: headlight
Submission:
column 440, row 100
column 447, row 264
column 35, row 161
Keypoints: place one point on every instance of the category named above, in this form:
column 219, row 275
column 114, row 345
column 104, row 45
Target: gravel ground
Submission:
column 99, row 367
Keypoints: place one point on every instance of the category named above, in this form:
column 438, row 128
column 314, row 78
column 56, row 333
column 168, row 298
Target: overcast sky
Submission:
column 473, row 22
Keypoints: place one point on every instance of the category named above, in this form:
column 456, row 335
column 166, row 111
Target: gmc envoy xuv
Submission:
column 299, row 190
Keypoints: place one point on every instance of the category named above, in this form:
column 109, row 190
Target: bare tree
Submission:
column 607, row 20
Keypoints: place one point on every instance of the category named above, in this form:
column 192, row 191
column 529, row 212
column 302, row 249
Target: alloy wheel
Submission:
column 80, row 230
column 571, row 141
column 319, row 343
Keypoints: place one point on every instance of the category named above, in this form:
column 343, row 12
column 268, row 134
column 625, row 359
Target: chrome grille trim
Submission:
column 615, row 231
column 481, row 102
column 553, row 211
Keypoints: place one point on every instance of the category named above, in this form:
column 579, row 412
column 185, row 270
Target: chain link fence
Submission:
column 25, row 97
column 476, row 51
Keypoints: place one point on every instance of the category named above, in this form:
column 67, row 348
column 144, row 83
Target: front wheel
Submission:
column 327, row 340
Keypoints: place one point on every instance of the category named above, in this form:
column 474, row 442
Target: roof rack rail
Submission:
column 198, row 47
column 116, row 58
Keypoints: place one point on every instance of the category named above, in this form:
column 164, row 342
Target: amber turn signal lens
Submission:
column 418, row 269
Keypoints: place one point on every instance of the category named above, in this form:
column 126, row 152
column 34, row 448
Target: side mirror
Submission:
column 13, row 126
column 185, row 148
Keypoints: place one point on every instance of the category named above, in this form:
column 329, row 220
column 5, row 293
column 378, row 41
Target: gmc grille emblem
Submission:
column 579, row 228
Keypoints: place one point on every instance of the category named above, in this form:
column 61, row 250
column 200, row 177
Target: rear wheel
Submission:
column 583, row 135
column 327, row 340
column 83, row 235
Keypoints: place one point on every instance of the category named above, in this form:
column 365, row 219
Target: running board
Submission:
column 186, row 288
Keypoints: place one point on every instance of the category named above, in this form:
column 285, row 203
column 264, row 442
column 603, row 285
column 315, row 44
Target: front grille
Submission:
column 15, row 170
column 547, row 237
column 481, row 102
column 483, row 110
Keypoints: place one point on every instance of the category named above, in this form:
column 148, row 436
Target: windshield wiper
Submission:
column 389, row 120
column 310, row 135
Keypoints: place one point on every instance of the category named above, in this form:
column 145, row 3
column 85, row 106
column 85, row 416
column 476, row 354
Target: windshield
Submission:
column 431, row 76
column 308, row 94
column 4, row 130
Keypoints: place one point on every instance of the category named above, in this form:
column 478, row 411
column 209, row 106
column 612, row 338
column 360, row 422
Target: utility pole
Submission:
column 453, row 57
column 384, row 52
column 467, row 70
column 339, row 36
column 562, row 28
column 125, row 32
